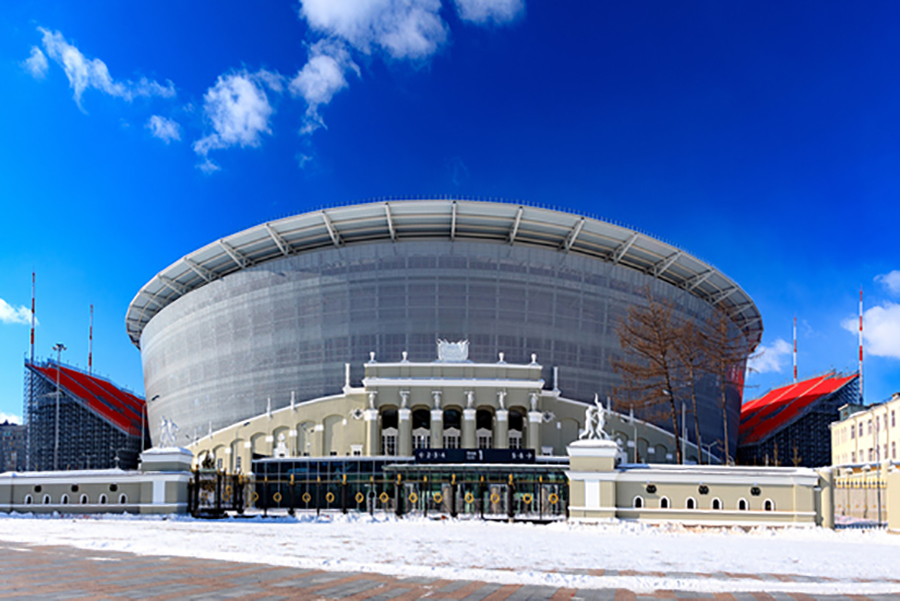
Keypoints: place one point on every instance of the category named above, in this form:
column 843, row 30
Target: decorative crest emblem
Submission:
column 453, row 352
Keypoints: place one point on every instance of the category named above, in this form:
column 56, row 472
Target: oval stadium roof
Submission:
column 444, row 219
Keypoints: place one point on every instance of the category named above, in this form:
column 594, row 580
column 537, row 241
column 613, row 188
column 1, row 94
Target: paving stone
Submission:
column 483, row 592
column 349, row 589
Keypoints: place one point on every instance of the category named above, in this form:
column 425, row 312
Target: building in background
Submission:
column 271, row 315
column 791, row 425
column 867, row 434
column 86, row 422
column 12, row 447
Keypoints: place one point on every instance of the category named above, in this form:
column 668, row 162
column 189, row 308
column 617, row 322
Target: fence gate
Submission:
column 211, row 493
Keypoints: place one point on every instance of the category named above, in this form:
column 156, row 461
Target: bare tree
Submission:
column 690, row 348
column 648, row 338
column 726, row 351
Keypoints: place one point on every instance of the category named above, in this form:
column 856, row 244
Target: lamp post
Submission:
column 59, row 348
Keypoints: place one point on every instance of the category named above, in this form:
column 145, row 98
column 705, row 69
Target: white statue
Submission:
column 167, row 430
column 594, row 421
column 470, row 399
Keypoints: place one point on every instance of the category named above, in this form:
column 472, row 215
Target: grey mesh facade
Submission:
column 214, row 353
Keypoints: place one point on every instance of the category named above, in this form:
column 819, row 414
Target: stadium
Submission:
column 291, row 312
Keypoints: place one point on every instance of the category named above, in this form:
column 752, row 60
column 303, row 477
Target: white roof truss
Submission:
column 237, row 257
column 331, row 231
column 623, row 248
column 570, row 239
column 283, row 246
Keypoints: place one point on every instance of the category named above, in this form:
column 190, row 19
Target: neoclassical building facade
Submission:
column 450, row 403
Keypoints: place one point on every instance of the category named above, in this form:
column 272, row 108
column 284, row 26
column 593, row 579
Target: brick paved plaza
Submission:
column 55, row 572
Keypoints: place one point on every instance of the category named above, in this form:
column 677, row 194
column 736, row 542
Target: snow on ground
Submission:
column 666, row 557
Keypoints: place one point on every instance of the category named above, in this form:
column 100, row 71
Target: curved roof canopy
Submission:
column 444, row 219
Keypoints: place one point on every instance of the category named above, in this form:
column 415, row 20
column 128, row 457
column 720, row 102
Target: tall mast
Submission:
column 32, row 317
column 795, row 349
column 91, row 344
column 861, row 345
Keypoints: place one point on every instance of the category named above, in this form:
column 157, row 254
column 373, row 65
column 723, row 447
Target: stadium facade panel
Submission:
column 242, row 325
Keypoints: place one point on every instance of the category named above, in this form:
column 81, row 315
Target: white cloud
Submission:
column 36, row 64
column 881, row 330
column 891, row 281
column 405, row 29
column 320, row 79
column 10, row 417
column 238, row 111
column 10, row 314
column 84, row 73
column 769, row 358
column 165, row 129
column 483, row 12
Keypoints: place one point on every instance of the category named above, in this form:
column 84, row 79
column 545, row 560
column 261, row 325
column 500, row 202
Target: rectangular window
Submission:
column 852, row 431
column 870, row 426
column 853, row 457
column 860, row 428
column 451, row 438
column 893, row 419
column 389, row 445
column 893, row 450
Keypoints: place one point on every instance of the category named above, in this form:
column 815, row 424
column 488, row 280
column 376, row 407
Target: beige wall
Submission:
column 160, row 487
column 720, row 495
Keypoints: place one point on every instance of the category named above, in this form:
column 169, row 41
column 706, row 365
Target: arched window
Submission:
column 46, row 499
column 421, row 433
column 28, row 500
column 516, row 428
column 103, row 499
column 742, row 505
column 664, row 502
column 484, row 433
column 691, row 503
column 64, row 500
column 123, row 499
column 716, row 503
column 390, row 423
column 452, row 428
column 84, row 499
column 769, row 505
column 638, row 502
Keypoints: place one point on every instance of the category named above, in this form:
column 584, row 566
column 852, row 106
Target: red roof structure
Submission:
column 118, row 407
column 780, row 407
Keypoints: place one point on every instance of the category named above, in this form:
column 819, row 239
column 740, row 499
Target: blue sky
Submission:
column 762, row 137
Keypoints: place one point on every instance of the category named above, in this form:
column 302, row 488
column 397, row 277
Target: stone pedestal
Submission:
column 164, row 486
column 501, row 429
column 592, row 479
column 373, row 434
column 437, row 429
column 404, row 442
column 468, row 429
column 173, row 459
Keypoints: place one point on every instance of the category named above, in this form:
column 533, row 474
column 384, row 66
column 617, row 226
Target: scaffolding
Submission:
column 85, row 423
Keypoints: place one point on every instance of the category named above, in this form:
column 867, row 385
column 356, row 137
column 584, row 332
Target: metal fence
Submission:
column 860, row 501
column 471, row 497
column 212, row 493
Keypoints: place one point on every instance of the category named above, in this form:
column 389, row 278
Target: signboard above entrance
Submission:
column 474, row 455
